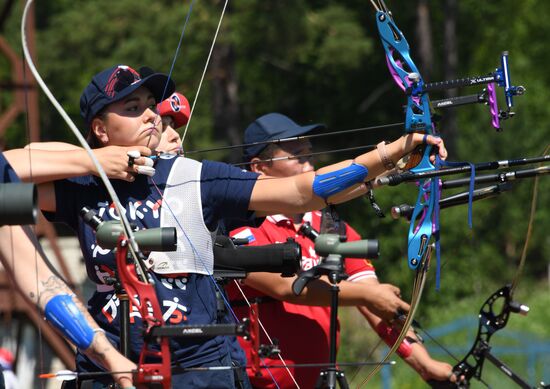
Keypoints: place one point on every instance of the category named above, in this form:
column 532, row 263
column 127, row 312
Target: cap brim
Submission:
column 160, row 85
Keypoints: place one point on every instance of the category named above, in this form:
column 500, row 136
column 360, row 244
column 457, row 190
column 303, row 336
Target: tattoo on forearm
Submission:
column 50, row 288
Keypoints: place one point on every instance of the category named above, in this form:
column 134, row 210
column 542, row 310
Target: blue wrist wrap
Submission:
column 328, row 184
column 62, row 312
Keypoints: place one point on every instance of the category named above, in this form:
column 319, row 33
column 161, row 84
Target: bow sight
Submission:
column 500, row 77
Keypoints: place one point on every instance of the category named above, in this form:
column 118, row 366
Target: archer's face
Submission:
column 132, row 121
column 294, row 166
column 170, row 141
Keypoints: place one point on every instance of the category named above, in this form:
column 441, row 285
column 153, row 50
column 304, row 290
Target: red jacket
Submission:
column 302, row 331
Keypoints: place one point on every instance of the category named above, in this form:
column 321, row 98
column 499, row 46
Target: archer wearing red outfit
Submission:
column 302, row 330
column 301, row 323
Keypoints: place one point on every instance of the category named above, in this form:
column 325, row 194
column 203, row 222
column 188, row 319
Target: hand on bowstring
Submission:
column 124, row 163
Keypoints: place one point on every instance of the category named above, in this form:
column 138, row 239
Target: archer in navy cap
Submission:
column 270, row 127
column 117, row 82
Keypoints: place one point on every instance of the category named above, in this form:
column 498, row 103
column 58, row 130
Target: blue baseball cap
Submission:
column 117, row 82
column 270, row 127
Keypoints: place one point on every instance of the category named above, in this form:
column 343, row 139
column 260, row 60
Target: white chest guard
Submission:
column 182, row 208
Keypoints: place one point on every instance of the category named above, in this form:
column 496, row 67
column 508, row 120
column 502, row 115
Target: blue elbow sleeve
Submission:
column 62, row 312
column 329, row 184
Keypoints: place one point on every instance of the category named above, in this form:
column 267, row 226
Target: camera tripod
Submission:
column 333, row 267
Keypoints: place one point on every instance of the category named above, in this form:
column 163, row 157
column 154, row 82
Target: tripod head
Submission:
column 333, row 248
column 332, row 266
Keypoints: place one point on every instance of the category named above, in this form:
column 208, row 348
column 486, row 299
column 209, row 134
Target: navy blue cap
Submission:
column 117, row 82
column 270, row 127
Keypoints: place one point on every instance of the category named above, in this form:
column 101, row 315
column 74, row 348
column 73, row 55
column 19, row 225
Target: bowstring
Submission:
column 264, row 330
column 519, row 270
column 532, row 212
column 195, row 251
column 204, row 71
column 32, row 227
column 133, row 248
column 418, row 288
column 173, row 63
column 176, row 54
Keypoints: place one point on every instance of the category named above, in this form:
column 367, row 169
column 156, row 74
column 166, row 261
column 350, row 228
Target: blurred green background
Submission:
column 322, row 61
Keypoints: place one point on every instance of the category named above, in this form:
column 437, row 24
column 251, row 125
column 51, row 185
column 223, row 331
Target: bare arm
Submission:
column 46, row 162
column 52, row 146
column 294, row 194
column 38, row 165
column 43, row 163
column 37, row 283
column 381, row 298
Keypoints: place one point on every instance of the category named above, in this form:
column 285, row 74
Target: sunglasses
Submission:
column 124, row 78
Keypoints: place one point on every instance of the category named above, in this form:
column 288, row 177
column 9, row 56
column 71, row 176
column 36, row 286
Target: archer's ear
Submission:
column 258, row 167
column 99, row 129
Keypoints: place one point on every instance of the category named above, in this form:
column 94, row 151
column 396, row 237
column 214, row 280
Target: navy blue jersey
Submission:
column 190, row 299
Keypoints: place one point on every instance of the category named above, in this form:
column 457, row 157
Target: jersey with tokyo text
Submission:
column 302, row 331
column 224, row 192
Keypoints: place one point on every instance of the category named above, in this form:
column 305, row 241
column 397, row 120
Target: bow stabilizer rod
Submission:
column 408, row 176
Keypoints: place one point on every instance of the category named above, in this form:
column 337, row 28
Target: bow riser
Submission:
column 418, row 116
column 417, row 119
column 421, row 226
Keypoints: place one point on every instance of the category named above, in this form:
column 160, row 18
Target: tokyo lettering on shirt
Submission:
column 302, row 331
column 224, row 192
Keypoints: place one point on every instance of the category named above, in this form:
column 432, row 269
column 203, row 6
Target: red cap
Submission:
column 6, row 358
column 177, row 107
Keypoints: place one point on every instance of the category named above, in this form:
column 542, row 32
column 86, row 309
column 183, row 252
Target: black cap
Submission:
column 116, row 83
column 270, row 127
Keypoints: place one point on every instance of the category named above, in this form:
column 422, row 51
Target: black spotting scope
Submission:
column 108, row 233
column 17, row 204
column 281, row 258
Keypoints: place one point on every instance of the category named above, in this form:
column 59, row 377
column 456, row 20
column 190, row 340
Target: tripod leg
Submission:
column 321, row 380
column 342, row 381
column 328, row 379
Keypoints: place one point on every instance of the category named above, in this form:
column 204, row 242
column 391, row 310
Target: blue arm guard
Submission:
column 328, row 184
column 62, row 312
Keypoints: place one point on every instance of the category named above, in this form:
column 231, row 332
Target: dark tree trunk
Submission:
column 424, row 38
column 449, row 125
column 225, row 98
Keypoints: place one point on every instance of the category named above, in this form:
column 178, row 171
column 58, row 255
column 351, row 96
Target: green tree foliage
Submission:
column 322, row 61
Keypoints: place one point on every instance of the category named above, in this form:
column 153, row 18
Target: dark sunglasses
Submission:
column 124, row 78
